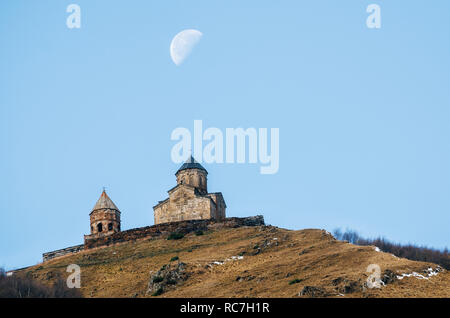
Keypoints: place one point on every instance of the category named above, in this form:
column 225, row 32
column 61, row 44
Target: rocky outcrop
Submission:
column 347, row 286
column 313, row 291
column 169, row 275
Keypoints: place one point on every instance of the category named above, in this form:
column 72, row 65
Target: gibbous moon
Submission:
column 183, row 43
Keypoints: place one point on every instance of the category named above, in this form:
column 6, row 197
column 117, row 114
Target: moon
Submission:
column 183, row 43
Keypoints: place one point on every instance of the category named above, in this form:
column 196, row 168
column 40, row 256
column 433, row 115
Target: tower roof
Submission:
column 105, row 203
column 191, row 163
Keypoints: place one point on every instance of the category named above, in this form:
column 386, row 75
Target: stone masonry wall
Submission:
column 61, row 252
column 193, row 209
column 105, row 217
column 157, row 230
column 193, row 177
column 184, row 204
column 220, row 205
column 165, row 229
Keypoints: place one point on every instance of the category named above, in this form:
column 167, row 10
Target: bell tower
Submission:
column 104, row 217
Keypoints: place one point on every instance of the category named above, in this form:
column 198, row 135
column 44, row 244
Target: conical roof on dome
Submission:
column 105, row 203
column 191, row 163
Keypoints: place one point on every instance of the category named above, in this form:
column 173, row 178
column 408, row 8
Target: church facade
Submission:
column 189, row 199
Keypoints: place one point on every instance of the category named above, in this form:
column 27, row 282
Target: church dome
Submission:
column 191, row 163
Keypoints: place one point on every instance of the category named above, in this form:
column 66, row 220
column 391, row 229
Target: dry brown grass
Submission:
column 272, row 257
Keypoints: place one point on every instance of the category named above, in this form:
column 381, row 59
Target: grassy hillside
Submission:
column 261, row 261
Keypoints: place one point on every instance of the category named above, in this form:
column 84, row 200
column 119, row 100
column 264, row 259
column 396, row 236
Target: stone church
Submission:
column 189, row 199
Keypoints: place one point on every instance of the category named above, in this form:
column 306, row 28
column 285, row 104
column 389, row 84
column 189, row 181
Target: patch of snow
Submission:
column 429, row 273
column 413, row 274
column 377, row 249
column 232, row 258
column 8, row 274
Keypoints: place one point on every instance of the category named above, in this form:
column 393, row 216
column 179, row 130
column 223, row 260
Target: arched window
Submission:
column 99, row 227
column 92, row 229
column 110, row 226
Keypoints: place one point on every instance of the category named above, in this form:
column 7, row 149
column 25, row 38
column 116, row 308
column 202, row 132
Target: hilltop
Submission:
column 260, row 261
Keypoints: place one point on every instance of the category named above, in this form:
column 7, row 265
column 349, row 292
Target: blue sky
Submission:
column 363, row 114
